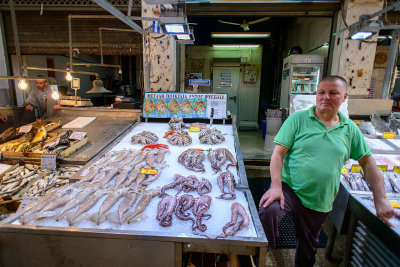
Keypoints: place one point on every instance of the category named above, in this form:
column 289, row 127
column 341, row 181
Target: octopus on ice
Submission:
column 218, row 157
column 144, row 138
column 176, row 123
column 188, row 184
column 192, row 159
column 180, row 138
column 211, row 136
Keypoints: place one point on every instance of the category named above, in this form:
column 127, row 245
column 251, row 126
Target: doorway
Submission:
column 227, row 80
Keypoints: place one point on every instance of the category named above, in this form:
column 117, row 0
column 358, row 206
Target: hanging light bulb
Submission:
column 22, row 84
column 120, row 71
column 55, row 95
column 68, row 76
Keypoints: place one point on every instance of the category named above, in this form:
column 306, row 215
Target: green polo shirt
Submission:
column 316, row 156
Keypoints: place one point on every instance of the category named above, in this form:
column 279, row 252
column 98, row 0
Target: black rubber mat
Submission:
column 287, row 238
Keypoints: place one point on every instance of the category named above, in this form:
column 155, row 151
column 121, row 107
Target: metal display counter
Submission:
column 27, row 245
column 108, row 126
column 370, row 241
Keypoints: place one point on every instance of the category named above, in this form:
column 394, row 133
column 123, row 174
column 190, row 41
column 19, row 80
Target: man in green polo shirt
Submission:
column 310, row 150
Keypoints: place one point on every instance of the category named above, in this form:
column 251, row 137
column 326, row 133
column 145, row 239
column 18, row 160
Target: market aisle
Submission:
column 252, row 145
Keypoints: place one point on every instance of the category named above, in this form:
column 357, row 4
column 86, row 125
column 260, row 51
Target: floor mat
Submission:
column 287, row 238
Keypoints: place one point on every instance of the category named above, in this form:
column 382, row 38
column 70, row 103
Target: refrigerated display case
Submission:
column 300, row 76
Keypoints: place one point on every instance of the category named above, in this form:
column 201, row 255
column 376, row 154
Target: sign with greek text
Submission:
column 389, row 135
column 185, row 105
column 355, row 168
column 194, row 128
column 148, row 171
column 48, row 162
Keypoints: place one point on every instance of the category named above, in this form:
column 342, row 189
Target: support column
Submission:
column 354, row 59
column 159, row 51
column 6, row 96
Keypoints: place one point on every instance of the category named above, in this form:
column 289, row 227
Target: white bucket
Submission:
column 273, row 125
column 269, row 143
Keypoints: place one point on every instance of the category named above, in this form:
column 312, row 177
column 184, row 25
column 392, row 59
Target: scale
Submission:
column 75, row 101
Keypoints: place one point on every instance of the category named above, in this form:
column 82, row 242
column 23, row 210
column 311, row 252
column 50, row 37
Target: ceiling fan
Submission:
column 245, row 25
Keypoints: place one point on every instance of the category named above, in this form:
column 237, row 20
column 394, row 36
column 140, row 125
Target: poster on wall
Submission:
column 185, row 105
column 225, row 79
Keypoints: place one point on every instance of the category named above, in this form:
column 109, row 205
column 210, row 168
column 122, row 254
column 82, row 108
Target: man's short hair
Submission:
column 41, row 78
column 334, row 78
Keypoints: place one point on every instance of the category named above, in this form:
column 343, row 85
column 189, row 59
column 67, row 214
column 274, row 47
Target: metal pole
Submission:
column 111, row 9
column 62, row 70
column 129, row 8
column 101, row 47
column 16, row 39
column 394, row 44
column 70, row 40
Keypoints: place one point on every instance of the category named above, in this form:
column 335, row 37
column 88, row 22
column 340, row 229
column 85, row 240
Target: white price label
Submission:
column 77, row 135
column 48, row 162
column 25, row 129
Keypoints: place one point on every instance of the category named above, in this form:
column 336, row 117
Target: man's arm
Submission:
column 28, row 106
column 374, row 178
column 275, row 191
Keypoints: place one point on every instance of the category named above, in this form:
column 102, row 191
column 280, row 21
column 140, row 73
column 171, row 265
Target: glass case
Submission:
column 305, row 79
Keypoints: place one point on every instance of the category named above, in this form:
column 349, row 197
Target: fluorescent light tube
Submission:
column 234, row 46
column 361, row 35
column 240, row 35
column 174, row 28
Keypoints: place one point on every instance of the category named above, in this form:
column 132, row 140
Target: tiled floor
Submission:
column 252, row 145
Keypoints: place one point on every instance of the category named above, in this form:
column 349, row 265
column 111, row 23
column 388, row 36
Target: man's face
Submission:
column 330, row 95
column 41, row 85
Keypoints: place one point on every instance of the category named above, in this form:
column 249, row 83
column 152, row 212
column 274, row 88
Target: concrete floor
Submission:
column 252, row 145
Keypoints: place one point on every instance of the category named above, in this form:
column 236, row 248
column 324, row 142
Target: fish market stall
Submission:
column 160, row 189
column 98, row 128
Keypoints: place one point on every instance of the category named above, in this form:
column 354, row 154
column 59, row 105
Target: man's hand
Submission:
column 271, row 195
column 56, row 107
column 374, row 178
column 384, row 210
column 29, row 107
column 3, row 118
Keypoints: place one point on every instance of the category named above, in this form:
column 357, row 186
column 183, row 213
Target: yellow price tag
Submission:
column 148, row 171
column 357, row 121
column 344, row 170
column 396, row 169
column 194, row 128
column 389, row 135
column 383, row 167
column 394, row 204
column 355, row 168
